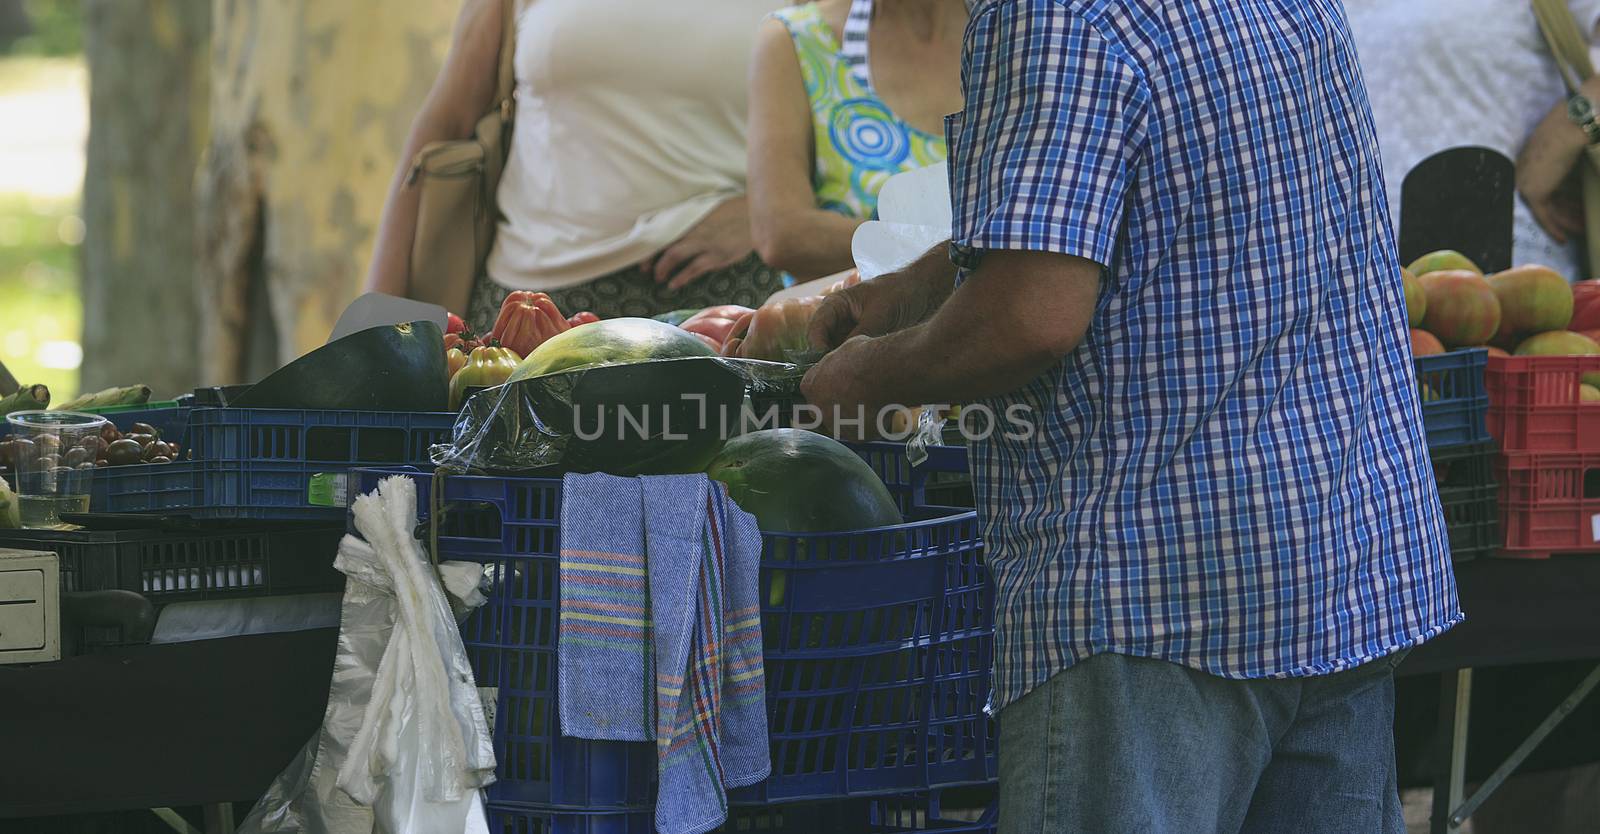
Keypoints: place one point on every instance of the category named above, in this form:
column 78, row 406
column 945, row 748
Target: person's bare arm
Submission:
column 463, row 92
column 790, row 232
column 1013, row 318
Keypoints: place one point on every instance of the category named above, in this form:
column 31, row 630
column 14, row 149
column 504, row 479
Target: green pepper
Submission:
column 486, row 367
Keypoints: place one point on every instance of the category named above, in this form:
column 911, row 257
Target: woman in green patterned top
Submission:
column 828, row 125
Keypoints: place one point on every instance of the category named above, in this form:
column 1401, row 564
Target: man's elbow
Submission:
column 1046, row 343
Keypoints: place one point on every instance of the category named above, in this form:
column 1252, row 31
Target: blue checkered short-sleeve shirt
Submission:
column 1229, row 472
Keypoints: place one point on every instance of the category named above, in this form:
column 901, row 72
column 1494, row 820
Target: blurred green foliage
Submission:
column 39, row 289
column 41, row 27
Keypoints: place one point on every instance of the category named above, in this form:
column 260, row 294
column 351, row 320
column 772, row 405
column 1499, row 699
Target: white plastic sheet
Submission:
column 915, row 215
column 404, row 746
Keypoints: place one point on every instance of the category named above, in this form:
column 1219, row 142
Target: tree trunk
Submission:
column 311, row 101
column 147, row 102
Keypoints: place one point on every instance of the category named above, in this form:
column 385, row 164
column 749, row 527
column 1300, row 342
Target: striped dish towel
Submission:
column 660, row 635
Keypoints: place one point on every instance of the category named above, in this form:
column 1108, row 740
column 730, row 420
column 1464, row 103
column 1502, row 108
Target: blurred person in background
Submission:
column 843, row 95
column 1447, row 73
column 623, row 192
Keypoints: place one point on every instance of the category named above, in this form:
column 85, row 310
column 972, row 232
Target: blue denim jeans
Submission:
column 1126, row 745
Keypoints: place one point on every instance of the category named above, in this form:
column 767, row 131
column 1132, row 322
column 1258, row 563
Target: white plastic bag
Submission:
column 404, row 746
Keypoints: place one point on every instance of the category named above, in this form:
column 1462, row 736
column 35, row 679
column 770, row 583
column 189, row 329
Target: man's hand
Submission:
column 885, row 304
column 1014, row 318
column 719, row 241
column 841, row 386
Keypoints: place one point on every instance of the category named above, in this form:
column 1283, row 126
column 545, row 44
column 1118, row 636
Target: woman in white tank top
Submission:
column 624, row 190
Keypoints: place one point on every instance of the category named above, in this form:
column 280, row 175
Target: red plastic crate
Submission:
column 1534, row 404
column 1549, row 504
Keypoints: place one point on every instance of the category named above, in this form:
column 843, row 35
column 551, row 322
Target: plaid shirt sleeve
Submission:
column 1047, row 146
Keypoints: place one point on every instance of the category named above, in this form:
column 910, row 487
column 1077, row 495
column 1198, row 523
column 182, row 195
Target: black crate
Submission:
column 1468, row 494
column 176, row 566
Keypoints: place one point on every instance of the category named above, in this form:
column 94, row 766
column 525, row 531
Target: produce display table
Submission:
column 184, row 724
column 1518, row 613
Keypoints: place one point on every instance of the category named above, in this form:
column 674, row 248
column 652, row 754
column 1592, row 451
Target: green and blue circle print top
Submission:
column 858, row 142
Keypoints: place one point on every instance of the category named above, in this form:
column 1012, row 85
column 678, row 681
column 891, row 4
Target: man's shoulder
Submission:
column 1111, row 20
column 1087, row 9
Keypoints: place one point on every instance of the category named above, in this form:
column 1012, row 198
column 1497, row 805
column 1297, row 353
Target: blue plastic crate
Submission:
column 1455, row 403
column 172, row 488
column 373, row 438
column 877, row 647
column 926, row 812
column 1469, row 497
column 939, row 483
column 888, row 815
column 269, row 464
column 217, row 490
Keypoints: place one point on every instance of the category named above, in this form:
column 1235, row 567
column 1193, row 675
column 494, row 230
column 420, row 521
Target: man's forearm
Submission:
column 935, row 273
column 997, row 332
column 955, row 358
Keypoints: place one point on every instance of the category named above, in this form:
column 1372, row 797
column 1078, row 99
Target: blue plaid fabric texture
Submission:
column 1230, row 472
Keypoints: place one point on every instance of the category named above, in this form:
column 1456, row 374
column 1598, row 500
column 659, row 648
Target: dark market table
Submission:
column 212, row 722
column 185, row 724
column 1518, row 613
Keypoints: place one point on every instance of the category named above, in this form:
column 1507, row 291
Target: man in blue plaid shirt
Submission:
column 1212, row 523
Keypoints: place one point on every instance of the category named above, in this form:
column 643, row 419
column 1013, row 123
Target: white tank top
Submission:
column 630, row 128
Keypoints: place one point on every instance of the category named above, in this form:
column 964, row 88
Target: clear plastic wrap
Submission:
column 638, row 418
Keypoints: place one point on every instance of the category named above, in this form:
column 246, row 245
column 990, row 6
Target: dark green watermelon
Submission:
column 796, row 481
column 399, row 367
column 610, row 342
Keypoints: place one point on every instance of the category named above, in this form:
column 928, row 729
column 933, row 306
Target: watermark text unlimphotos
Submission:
column 675, row 421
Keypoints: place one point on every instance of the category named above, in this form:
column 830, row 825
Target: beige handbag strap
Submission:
column 1567, row 42
column 506, row 81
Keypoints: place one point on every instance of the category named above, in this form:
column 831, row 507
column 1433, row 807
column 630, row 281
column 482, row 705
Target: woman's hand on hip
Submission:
column 720, row 240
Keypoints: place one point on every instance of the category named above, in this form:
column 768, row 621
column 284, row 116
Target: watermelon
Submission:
column 610, row 342
column 796, row 481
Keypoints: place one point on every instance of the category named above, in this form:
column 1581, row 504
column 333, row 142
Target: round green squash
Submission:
column 796, row 481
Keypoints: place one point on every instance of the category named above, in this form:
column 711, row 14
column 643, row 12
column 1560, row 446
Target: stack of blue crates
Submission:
column 877, row 649
column 268, row 464
column 1455, row 408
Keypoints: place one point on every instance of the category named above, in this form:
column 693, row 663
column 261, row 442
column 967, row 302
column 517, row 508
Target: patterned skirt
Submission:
column 630, row 292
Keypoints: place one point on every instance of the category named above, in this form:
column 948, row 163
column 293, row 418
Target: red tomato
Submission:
column 1585, row 306
column 715, row 322
column 584, row 317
